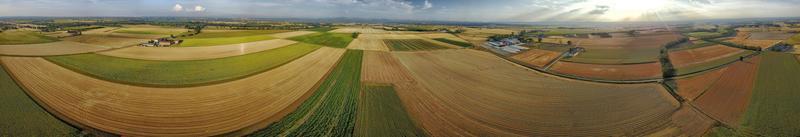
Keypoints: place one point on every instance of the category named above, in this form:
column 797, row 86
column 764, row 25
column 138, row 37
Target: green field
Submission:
column 23, row 37
column 616, row 56
column 794, row 39
column 411, row 45
column 381, row 114
column 712, row 64
column 224, row 34
column 181, row 73
column 337, row 40
column 704, row 34
column 199, row 42
column 322, row 29
column 331, row 110
column 21, row 116
column 457, row 43
column 775, row 103
column 151, row 30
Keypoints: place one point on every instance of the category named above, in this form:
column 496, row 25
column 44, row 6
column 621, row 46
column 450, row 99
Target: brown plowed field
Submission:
column 291, row 34
column 237, row 106
column 656, row 40
column 727, row 99
column 382, row 67
column 610, row 72
column 685, row 58
column 196, row 53
column 473, row 93
column 537, row 57
column 50, row 49
column 690, row 88
column 689, row 122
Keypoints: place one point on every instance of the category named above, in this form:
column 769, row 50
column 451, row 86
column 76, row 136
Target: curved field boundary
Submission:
column 291, row 34
column 196, row 53
column 197, row 111
column 470, row 93
column 50, row 49
column 181, row 73
column 21, row 115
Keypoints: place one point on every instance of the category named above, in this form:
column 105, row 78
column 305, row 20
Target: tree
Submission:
column 355, row 34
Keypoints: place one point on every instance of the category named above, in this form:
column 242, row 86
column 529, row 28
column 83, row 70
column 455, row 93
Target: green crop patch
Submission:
column 457, row 43
column 411, row 45
column 331, row 110
column 337, row 40
column 24, row 37
column 181, row 73
column 381, row 114
column 773, row 109
column 21, row 116
column 199, row 42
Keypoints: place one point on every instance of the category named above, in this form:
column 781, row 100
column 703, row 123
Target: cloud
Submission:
column 427, row 5
column 177, row 8
column 599, row 9
column 199, row 8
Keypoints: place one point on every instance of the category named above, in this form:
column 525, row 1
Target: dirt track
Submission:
column 727, row 99
column 196, row 53
column 50, row 49
column 472, row 93
column 196, row 111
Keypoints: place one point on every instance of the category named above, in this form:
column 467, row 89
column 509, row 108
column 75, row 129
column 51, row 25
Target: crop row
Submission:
column 331, row 110
column 411, row 45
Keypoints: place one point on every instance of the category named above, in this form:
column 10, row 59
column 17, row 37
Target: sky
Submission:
column 439, row 10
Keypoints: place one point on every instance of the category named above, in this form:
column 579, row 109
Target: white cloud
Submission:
column 199, row 8
column 177, row 8
column 427, row 5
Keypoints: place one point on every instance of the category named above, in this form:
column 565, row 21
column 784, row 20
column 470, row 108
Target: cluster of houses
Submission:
column 162, row 42
column 512, row 45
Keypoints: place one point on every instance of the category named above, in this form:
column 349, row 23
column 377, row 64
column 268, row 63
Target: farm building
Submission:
column 162, row 42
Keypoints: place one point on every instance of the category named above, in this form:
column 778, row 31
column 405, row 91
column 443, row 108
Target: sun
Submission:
column 620, row 10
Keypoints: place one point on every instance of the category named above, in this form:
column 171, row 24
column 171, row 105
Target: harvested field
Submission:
column 537, row 57
column 693, row 45
column 21, row 116
column 628, row 50
column 291, row 34
column 50, row 49
column 692, row 87
column 770, row 35
column 727, row 99
column 196, row 53
column 381, row 114
column 693, row 60
column 106, row 40
column 331, row 110
column 362, row 30
column 473, row 93
column 411, row 45
column 689, row 122
column 382, row 67
column 773, row 109
column 610, row 72
column 247, row 104
column 16, row 37
column 373, row 44
column 181, row 73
